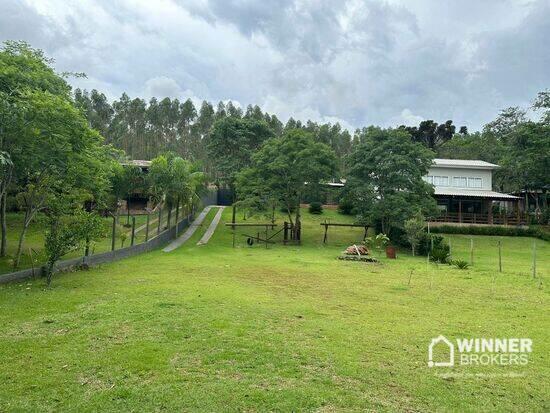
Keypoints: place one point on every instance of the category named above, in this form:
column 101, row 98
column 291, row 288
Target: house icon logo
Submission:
column 441, row 341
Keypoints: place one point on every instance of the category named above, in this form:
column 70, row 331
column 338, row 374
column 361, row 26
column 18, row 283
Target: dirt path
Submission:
column 213, row 225
column 189, row 232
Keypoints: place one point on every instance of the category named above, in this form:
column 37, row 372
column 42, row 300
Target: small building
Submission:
column 140, row 201
column 464, row 193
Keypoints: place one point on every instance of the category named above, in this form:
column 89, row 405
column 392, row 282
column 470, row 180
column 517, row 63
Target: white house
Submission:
column 464, row 192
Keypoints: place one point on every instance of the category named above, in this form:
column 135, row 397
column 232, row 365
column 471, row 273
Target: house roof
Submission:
column 138, row 162
column 464, row 163
column 473, row 193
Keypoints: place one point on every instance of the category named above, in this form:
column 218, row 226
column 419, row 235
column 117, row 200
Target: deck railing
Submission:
column 474, row 218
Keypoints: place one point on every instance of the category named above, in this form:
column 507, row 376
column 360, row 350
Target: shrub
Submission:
column 460, row 264
column 440, row 254
column 345, row 207
column 285, row 210
column 315, row 208
column 492, row 230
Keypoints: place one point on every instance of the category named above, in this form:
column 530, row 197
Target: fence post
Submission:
column 450, row 249
column 160, row 219
column 177, row 215
column 147, row 228
column 499, row 256
column 534, row 259
column 113, row 236
column 471, row 251
column 133, row 230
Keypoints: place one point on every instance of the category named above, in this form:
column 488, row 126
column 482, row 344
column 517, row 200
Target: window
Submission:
column 460, row 181
column 474, row 183
column 429, row 179
column 441, row 181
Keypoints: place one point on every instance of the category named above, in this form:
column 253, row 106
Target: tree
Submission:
column 22, row 70
column 505, row 122
column 231, row 145
column 68, row 233
column 526, row 162
column 542, row 104
column 386, row 172
column 96, row 108
column 483, row 146
column 173, row 181
column 430, row 133
column 414, row 230
column 284, row 167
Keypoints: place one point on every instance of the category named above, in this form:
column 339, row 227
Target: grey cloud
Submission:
column 360, row 61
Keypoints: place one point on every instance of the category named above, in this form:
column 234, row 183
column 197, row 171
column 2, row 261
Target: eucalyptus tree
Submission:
column 231, row 145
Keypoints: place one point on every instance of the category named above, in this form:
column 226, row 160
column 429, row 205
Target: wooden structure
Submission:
column 251, row 238
column 328, row 224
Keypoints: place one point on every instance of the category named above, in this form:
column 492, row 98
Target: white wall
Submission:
column 484, row 174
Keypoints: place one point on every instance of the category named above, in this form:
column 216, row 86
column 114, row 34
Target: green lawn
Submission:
column 216, row 328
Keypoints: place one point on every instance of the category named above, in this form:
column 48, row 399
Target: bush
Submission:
column 315, row 208
column 345, row 207
column 460, row 264
column 441, row 253
column 492, row 230
column 284, row 209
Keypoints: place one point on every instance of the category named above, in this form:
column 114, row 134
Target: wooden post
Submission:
column 147, row 228
column 490, row 212
column 285, row 232
column 471, row 251
column 366, row 231
column 534, row 259
column 160, row 220
column 177, row 215
column 133, row 230
column 233, row 237
column 113, row 235
column 499, row 256
column 459, row 210
column 326, row 230
column 450, row 249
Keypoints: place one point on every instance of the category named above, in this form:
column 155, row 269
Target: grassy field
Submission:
column 216, row 328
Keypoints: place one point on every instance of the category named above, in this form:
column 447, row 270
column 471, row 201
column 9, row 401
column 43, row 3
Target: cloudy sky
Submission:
column 359, row 62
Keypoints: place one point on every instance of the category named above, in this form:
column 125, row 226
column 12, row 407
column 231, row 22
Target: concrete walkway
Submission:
column 213, row 225
column 189, row 232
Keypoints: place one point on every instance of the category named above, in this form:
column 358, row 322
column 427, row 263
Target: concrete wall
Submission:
column 160, row 240
column 485, row 175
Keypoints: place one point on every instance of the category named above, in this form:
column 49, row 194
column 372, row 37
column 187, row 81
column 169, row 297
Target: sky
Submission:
column 357, row 62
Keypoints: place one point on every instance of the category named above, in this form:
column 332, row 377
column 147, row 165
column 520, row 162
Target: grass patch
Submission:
column 216, row 328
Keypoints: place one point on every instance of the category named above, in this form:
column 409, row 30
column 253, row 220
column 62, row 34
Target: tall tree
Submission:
column 386, row 172
column 284, row 167
column 430, row 134
column 52, row 149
